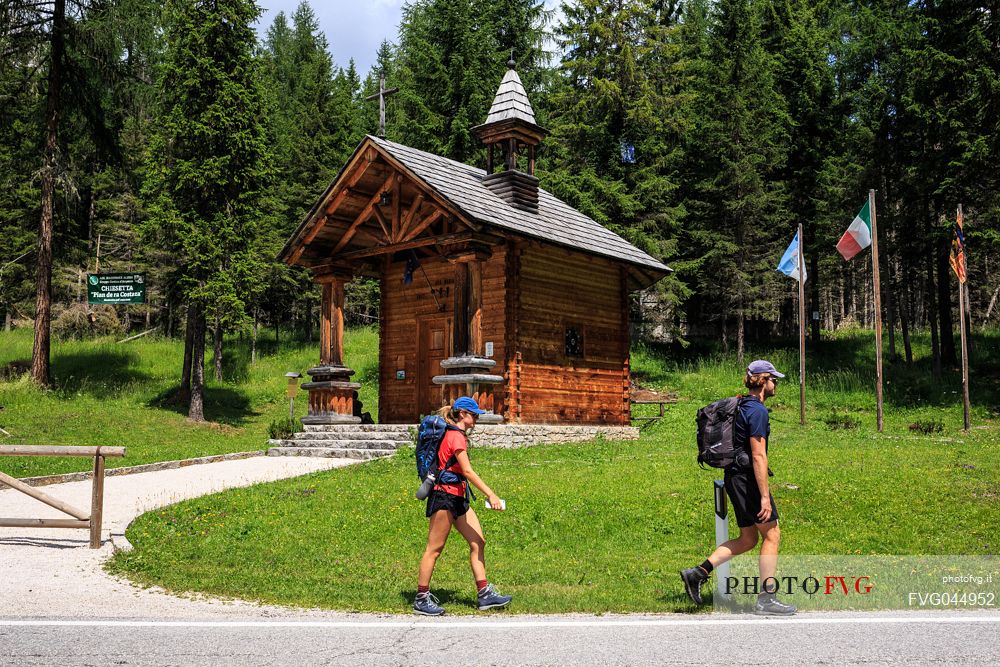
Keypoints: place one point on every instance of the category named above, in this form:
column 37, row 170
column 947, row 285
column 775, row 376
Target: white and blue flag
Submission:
column 789, row 264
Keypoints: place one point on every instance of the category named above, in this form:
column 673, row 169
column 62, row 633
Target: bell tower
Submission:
column 511, row 137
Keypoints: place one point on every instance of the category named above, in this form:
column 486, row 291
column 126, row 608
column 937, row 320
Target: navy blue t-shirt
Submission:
column 751, row 422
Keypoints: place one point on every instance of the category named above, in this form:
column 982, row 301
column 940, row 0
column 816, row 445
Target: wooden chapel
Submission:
column 490, row 286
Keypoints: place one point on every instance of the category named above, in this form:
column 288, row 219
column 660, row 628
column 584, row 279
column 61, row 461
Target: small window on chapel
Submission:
column 574, row 341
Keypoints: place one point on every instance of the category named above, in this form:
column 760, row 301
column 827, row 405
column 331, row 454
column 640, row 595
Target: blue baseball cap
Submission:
column 467, row 404
column 763, row 366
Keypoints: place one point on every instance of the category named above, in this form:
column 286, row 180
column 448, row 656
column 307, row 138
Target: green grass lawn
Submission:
column 107, row 393
column 604, row 526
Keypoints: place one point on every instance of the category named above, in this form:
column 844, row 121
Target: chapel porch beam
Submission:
column 366, row 212
column 320, row 219
column 441, row 239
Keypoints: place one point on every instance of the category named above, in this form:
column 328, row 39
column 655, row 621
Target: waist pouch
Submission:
column 742, row 464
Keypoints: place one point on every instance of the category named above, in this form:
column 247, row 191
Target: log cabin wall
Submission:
column 403, row 307
column 572, row 339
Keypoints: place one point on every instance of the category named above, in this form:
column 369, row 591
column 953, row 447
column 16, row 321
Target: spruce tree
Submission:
column 739, row 220
column 799, row 36
column 74, row 68
column 451, row 57
column 208, row 164
column 615, row 110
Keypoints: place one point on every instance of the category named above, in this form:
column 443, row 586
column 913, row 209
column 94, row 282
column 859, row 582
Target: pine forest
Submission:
column 181, row 140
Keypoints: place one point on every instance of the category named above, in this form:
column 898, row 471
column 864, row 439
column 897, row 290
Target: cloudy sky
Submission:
column 354, row 28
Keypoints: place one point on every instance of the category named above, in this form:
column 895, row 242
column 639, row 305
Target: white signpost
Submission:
column 721, row 535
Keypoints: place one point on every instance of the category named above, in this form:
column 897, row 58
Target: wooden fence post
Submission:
column 97, row 501
column 80, row 520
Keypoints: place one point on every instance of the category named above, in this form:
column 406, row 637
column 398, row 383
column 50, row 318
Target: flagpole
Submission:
column 962, row 303
column 802, row 331
column 878, row 312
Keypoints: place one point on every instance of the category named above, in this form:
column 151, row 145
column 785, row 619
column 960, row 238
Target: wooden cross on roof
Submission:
column 381, row 95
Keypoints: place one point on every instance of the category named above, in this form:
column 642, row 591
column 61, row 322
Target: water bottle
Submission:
column 426, row 488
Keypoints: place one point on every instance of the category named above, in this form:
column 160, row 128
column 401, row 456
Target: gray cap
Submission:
column 763, row 366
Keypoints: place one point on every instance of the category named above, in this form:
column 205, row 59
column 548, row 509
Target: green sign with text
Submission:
column 116, row 288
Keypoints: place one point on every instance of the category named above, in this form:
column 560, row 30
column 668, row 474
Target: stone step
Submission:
column 341, row 444
column 314, row 436
column 381, row 428
column 331, row 452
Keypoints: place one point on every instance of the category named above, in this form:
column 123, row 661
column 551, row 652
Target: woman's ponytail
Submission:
column 448, row 414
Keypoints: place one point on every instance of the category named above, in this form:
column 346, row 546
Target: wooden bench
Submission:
column 663, row 403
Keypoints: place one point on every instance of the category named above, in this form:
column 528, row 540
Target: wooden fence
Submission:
column 80, row 518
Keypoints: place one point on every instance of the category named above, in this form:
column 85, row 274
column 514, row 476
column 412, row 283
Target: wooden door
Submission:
column 433, row 346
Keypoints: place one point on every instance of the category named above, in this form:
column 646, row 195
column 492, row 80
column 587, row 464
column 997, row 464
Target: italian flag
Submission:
column 859, row 235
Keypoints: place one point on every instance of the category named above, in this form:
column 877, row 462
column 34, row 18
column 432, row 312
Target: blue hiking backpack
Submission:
column 429, row 438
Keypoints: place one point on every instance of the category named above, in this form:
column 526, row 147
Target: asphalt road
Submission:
column 952, row 638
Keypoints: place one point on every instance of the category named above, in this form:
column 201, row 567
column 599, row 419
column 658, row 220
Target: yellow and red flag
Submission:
column 957, row 257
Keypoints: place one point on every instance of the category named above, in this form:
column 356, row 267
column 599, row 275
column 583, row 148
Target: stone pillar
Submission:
column 467, row 370
column 332, row 395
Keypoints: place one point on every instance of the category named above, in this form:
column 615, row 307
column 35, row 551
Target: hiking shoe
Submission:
column 693, row 578
column 427, row 605
column 488, row 598
column 768, row 605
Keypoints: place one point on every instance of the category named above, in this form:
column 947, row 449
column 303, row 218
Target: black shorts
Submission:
column 744, row 494
column 442, row 500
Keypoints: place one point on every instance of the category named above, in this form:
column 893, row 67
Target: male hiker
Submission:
column 747, row 487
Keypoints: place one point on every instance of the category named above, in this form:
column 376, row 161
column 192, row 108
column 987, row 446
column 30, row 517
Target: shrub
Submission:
column 284, row 428
column 836, row 422
column 14, row 369
column 927, row 427
column 80, row 321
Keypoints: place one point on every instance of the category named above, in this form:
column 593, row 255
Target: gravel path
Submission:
column 54, row 574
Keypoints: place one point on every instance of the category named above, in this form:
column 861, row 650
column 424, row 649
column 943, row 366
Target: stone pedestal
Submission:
column 469, row 375
column 333, row 398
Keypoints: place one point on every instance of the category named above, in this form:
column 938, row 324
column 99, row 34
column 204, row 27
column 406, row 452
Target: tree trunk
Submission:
column 725, row 332
column 904, row 321
column 814, row 297
column 841, row 303
column 740, row 337
column 43, row 266
column 891, row 306
column 948, row 355
column 932, row 320
column 217, row 351
column 253, row 340
column 989, row 309
column 184, row 393
column 7, row 320
column 196, row 408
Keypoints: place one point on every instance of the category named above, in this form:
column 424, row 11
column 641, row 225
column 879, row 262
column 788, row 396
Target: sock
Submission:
column 423, row 589
column 481, row 584
column 707, row 566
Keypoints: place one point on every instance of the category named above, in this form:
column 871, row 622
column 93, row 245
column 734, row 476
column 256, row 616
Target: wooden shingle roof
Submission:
column 555, row 222
column 511, row 101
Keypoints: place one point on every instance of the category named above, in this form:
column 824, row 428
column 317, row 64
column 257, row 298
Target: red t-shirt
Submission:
column 454, row 441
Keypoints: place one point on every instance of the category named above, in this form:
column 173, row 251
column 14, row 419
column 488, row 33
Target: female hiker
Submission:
column 448, row 505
